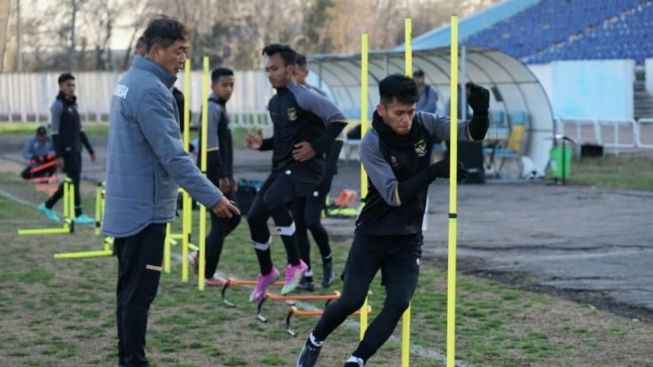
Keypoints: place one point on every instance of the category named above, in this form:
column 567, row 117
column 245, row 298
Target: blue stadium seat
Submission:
column 573, row 30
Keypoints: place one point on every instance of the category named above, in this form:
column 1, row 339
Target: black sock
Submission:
column 264, row 261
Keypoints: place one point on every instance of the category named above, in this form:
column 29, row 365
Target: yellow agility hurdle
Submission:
column 68, row 215
column 107, row 250
column 107, row 243
column 185, row 237
column 186, row 209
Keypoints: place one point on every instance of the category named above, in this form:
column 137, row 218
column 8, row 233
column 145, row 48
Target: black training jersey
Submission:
column 391, row 159
column 67, row 133
column 299, row 114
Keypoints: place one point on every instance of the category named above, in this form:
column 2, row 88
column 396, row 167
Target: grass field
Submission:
column 61, row 312
column 630, row 172
column 102, row 131
column 28, row 128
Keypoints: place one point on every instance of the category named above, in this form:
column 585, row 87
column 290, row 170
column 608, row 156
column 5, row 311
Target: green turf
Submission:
column 630, row 172
column 61, row 313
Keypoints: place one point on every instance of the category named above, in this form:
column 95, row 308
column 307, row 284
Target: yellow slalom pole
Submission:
column 408, row 47
column 98, row 206
column 68, row 203
column 71, row 197
column 166, row 251
column 67, row 218
column 186, row 210
column 453, row 192
column 71, row 206
column 405, row 323
column 103, row 203
column 364, row 123
column 204, row 137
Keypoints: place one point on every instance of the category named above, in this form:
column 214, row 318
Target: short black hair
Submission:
column 164, row 31
column 398, row 87
column 300, row 60
column 220, row 71
column 288, row 55
column 418, row 72
column 65, row 77
column 41, row 130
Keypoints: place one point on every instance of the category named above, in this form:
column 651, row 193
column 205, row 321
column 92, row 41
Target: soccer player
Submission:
column 396, row 154
column 305, row 125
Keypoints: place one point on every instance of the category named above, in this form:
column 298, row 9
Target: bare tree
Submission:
column 72, row 53
column 98, row 19
column 5, row 32
column 78, row 33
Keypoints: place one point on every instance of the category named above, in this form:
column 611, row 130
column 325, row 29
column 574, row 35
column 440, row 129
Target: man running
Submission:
column 304, row 127
column 396, row 155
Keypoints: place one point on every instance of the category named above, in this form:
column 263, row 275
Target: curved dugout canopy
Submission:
column 517, row 97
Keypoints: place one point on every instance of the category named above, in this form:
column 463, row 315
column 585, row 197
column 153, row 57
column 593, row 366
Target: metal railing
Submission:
column 618, row 141
column 639, row 133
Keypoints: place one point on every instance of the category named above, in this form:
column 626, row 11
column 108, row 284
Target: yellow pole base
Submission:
column 83, row 254
column 44, row 231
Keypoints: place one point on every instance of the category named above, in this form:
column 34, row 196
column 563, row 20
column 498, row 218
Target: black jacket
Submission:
column 67, row 133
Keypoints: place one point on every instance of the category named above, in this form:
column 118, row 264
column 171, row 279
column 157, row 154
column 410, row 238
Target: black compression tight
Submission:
column 398, row 259
column 220, row 228
column 307, row 212
column 271, row 201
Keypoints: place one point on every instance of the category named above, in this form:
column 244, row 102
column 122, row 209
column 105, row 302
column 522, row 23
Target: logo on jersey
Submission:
column 420, row 148
column 292, row 114
column 121, row 91
column 393, row 161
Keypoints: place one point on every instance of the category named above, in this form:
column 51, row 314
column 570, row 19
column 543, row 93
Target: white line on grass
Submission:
column 16, row 199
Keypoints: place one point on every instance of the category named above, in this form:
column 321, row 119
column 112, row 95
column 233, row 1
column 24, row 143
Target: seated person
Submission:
column 40, row 154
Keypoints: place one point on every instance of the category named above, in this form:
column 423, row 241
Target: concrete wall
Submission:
column 601, row 89
column 544, row 74
column 589, row 89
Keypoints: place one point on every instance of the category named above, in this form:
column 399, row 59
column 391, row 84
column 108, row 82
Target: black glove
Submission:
column 440, row 169
column 478, row 99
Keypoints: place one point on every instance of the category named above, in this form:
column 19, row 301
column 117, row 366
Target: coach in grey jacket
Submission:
column 145, row 164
